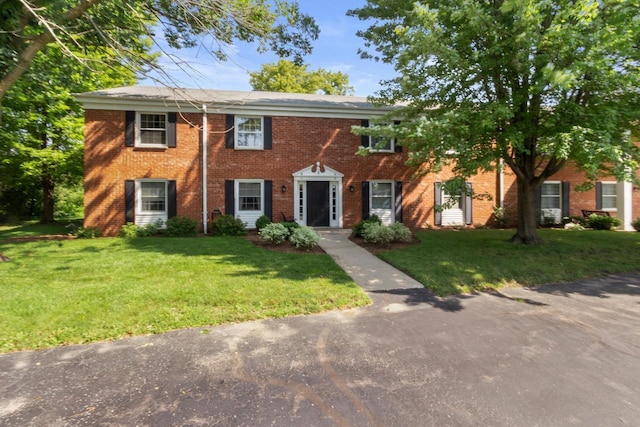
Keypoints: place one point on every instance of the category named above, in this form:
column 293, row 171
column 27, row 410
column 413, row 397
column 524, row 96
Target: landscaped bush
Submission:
column 227, row 225
column 131, row 231
column 400, row 232
column 181, row 226
column 636, row 224
column 601, row 222
column 575, row 219
column 377, row 233
column 262, row 222
column 88, row 233
column 304, row 237
column 290, row 226
column 275, row 233
column 358, row 228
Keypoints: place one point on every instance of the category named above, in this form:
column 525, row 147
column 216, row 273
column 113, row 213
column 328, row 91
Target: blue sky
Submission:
column 335, row 50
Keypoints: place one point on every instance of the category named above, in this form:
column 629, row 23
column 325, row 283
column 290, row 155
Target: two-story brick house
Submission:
column 153, row 153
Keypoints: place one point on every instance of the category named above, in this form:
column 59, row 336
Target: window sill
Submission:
column 150, row 148
column 249, row 148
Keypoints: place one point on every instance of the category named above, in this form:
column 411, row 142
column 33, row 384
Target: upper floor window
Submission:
column 249, row 132
column 381, row 145
column 152, row 129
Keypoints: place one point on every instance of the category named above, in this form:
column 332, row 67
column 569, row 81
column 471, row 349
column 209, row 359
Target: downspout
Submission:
column 204, row 168
column 501, row 189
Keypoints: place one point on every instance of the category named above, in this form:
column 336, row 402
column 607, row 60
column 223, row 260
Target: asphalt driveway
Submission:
column 553, row 356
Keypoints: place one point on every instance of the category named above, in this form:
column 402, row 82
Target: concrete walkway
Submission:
column 367, row 270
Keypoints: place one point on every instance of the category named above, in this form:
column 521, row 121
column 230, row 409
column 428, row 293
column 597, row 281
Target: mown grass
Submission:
column 79, row 291
column 452, row 262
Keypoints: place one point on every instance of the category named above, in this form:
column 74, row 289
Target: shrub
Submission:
column 601, row 222
column 227, row 225
column 499, row 217
column 377, row 233
column 275, row 233
column 131, row 231
column 358, row 228
column 400, row 232
column 69, row 201
column 636, row 224
column 575, row 219
column 304, row 237
column 181, row 226
column 290, row 226
column 262, row 222
column 128, row 231
column 88, row 232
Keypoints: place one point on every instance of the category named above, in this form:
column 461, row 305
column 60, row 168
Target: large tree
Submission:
column 287, row 76
column 41, row 135
column 27, row 27
column 537, row 83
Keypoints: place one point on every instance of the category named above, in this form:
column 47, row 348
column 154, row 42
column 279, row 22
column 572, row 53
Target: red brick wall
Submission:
column 297, row 143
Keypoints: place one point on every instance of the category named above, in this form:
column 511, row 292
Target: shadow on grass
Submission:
column 235, row 251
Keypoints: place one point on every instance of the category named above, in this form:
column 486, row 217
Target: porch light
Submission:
column 283, row 188
column 352, row 188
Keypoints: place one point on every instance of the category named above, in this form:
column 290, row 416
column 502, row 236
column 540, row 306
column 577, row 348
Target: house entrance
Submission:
column 318, row 199
column 318, row 203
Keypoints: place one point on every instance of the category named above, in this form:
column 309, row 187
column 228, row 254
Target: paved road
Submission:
column 555, row 356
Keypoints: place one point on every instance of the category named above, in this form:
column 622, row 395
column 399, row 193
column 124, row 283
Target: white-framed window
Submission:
column 151, row 129
column 249, row 200
column 551, row 195
column 609, row 196
column 151, row 201
column 381, row 201
column 249, row 133
column 386, row 145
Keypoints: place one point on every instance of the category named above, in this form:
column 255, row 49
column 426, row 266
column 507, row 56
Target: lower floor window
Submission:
column 153, row 196
column 609, row 199
column 250, row 196
column 550, row 195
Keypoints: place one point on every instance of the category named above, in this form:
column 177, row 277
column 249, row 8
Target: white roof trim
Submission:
column 155, row 99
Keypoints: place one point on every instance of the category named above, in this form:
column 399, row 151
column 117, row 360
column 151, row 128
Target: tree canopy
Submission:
column 537, row 83
column 27, row 27
column 287, row 76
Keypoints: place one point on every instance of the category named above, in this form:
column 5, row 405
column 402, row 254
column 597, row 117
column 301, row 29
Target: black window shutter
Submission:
column 598, row 195
column 268, row 199
column 566, row 190
column 365, row 141
column 268, row 138
column 396, row 147
column 398, row 201
column 365, row 200
column 229, row 136
column 171, row 129
column 437, row 191
column 172, row 199
column 229, row 197
column 129, row 200
column 130, row 130
column 468, row 204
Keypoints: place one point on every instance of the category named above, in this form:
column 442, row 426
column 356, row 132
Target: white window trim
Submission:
column 237, row 192
column 393, row 196
column 560, row 196
column 138, row 141
column 615, row 184
column 139, row 196
column 236, row 127
column 392, row 146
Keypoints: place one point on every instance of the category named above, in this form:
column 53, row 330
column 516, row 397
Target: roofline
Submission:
column 97, row 101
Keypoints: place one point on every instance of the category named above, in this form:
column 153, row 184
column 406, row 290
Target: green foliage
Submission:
column 275, row 233
column 69, row 201
column 601, row 222
column 131, row 231
column 401, row 232
column 227, row 225
column 539, row 84
column 500, row 218
column 636, row 224
column 88, row 233
column 290, row 225
column 304, row 237
column 358, row 227
column 181, row 226
column 262, row 222
column 287, row 76
column 377, row 233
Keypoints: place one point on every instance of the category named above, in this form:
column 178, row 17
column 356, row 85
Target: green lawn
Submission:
column 78, row 291
column 451, row 262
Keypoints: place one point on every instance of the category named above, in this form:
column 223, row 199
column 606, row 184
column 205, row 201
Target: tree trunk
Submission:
column 48, row 188
column 527, row 233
